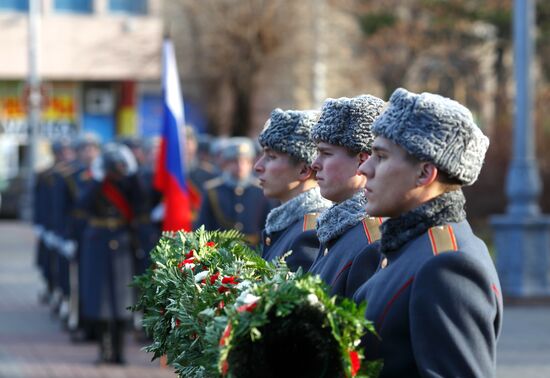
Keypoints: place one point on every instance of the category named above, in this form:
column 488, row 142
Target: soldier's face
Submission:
column 279, row 176
column 240, row 168
column 336, row 172
column 88, row 153
column 391, row 188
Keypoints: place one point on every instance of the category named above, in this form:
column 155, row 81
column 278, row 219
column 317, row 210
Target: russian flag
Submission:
column 170, row 175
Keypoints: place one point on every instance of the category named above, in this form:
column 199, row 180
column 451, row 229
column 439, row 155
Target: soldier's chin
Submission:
column 373, row 211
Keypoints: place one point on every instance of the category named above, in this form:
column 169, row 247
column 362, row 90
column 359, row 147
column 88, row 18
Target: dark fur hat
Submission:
column 347, row 121
column 435, row 129
column 290, row 132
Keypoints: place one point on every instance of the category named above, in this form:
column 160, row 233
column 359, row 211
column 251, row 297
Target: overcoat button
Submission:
column 325, row 252
column 384, row 263
column 268, row 241
column 113, row 244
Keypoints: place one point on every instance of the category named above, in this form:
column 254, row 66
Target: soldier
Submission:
column 111, row 200
column 87, row 148
column 147, row 230
column 198, row 170
column 346, row 257
column 234, row 200
column 436, row 299
column 44, row 210
column 285, row 174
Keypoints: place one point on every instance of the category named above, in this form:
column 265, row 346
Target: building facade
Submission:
column 99, row 62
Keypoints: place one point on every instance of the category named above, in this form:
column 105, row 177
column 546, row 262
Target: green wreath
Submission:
column 290, row 327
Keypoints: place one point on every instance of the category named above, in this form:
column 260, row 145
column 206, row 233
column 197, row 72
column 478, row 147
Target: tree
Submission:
column 231, row 40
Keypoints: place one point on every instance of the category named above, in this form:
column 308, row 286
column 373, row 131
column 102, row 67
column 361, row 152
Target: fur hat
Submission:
column 347, row 121
column 290, row 132
column 435, row 129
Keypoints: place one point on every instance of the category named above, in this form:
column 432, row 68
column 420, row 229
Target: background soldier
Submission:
column 234, row 200
column 44, row 211
column 198, row 169
column 87, row 149
column 346, row 258
column 111, row 200
column 285, row 174
column 436, row 299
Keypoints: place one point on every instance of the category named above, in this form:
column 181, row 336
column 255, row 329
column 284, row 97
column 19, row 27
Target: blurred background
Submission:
column 96, row 66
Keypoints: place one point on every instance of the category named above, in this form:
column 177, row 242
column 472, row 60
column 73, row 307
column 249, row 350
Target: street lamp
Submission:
column 33, row 113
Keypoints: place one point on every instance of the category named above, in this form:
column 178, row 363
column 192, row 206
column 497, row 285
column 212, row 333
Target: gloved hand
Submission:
column 68, row 248
column 49, row 239
column 157, row 214
column 97, row 170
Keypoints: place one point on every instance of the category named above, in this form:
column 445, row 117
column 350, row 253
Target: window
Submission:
column 74, row 6
column 17, row 5
column 128, row 6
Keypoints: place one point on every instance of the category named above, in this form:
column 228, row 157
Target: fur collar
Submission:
column 341, row 217
column 289, row 212
column 446, row 208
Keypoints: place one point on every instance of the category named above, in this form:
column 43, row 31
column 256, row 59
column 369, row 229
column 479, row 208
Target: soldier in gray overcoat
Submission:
column 285, row 174
column 347, row 256
column 435, row 300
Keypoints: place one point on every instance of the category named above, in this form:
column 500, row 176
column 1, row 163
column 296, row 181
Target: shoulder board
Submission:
column 371, row 225
column 65, row 169
column 310, row 221
column 70, row 171
column 213, row 183
column 442, row 239
column 85, row 175
column 207, row 166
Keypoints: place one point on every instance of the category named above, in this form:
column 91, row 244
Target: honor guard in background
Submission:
column 198, row 170
column 435, row 300
column 60, row 210
column 285, row 174
column 87, row 149
column 234, row 200
column 68, row 225
column 111, row 200
column 44, row 211
column 348, row 255
column 147, row 229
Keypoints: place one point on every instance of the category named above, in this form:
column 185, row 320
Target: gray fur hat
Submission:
column 290, row 132
column 347, row 121
column 435, row 129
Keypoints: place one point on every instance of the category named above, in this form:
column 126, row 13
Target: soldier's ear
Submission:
column 427, row 174
column 306, row 172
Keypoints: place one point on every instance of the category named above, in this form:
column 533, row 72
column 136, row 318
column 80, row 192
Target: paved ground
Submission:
column 33, row 345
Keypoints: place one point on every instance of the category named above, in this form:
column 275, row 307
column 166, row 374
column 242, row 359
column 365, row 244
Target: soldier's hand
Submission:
column 157, row 214
column 68, row 248
column 97, row 170
column 49, row 239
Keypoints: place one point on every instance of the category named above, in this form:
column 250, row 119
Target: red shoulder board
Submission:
column 310, row 221
column 371, row 225
column 442, row 239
